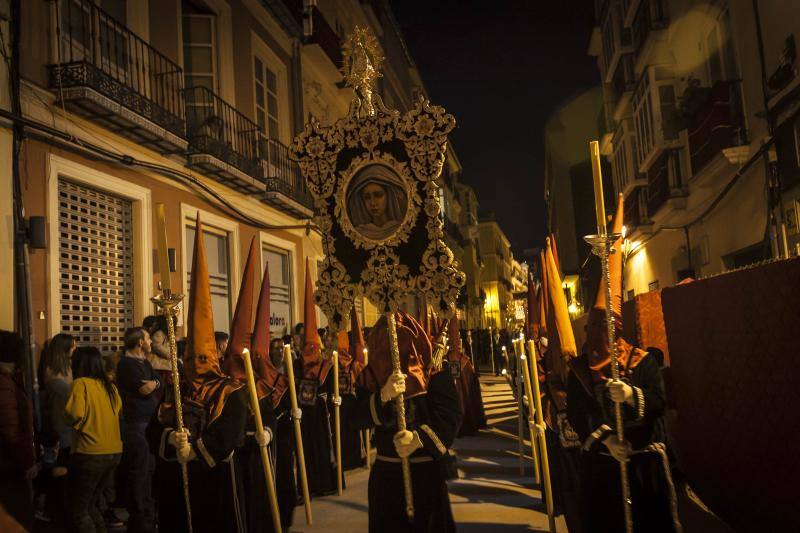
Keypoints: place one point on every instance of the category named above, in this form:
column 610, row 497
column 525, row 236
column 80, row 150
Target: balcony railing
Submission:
column 283, row 177
column 217, row 129
column 717, row 125
column 664, row 180
column 650, row 16
column 100, row 53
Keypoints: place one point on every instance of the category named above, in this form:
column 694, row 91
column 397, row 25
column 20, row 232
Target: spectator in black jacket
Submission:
column 137, row 383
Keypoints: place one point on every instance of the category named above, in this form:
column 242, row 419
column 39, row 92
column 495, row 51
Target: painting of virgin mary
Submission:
column 376, row 202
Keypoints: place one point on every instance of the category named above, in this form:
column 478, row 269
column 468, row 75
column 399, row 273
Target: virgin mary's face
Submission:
column 374, row 197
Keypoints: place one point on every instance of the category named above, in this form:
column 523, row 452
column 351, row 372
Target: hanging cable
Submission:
column 67, row 141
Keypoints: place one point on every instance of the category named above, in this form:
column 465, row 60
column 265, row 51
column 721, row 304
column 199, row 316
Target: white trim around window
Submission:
column 139, row 196
column 217, row 224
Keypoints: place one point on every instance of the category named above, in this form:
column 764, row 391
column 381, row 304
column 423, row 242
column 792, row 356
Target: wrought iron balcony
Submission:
column 286, row 188
column 717, row 125
column 222, row 141
column 107, row 73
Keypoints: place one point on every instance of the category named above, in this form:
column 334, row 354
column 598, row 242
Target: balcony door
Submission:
column 96, row 31
column 200, row 72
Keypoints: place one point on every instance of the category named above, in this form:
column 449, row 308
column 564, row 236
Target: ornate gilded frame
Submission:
column 414, row 258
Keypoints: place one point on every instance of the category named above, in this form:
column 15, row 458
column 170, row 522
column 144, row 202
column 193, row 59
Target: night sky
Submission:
column 501, row 68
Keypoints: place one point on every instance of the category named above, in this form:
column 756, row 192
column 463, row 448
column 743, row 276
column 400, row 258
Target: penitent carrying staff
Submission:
column 433, row 416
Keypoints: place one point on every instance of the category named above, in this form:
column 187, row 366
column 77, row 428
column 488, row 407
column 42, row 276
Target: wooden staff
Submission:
column 531, row 407
column 367, row 432
column 298, row 435
column 548, row 490
column 400, row 406
column 337, row 422
column 520, row 410
column 265, row 462
column 602, row 246
column 167, row 302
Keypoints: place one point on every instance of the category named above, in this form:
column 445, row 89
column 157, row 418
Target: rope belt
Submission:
column 387, row 459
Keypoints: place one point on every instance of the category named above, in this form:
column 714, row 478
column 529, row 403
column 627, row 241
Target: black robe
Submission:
column 591, row 414
column 214, row 488
column 436, row 417
column 317, row 429
column 251, row 470
column 352, row 451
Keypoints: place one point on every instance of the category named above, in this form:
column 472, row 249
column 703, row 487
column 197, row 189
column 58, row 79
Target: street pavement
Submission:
column 490, row 494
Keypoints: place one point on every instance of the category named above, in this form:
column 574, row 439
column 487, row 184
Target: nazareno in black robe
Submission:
column 436, row 417
column 591, row 414
column 317, row 429
column 214, row 488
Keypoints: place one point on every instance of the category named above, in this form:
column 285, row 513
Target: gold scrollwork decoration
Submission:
column 424, row 131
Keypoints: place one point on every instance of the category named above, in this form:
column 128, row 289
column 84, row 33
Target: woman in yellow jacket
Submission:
column 93, row 410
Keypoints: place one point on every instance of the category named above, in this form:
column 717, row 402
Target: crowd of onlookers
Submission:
column 89, row 457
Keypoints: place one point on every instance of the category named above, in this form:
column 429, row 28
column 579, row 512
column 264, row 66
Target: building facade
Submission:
column 497, row 270
column 687, row 136
column 569, row 193
column 189, row 103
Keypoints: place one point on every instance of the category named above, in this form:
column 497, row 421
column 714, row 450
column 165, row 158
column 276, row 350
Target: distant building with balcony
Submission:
column 189, row 103
column 569, row 191
column 685, row 129
column 497, row 270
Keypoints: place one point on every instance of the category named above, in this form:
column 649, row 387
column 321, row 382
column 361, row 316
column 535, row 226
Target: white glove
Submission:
column 337, row 401
column 540, row 429
column 395, row 386
column 263, row 439
column 406, row 442
column 618, row 450
column 180, row 439
column 620, row 391
column 297, row 414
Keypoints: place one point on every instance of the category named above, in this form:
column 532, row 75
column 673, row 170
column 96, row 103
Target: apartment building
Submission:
column 497, row 270
column 569, row 192
column 189, row 103
column 687, row 135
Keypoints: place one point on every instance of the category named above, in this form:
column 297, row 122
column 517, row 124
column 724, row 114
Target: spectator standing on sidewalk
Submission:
column 138, row 383
column 56, row 381
column 17, row 460
column 93, row 409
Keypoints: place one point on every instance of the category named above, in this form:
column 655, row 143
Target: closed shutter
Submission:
column 95, row 265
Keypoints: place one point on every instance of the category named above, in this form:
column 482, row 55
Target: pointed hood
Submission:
column 209, row 386
column 314, row 366
column 596, row 333
column 268, row 379
column 201, row 358
column 561, row 346
column 357, row 337
column 542, row 295
column 554, row 247
column 415, row 355
column 241, row 326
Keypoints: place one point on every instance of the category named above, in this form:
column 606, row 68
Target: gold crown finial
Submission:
column 361, row 65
